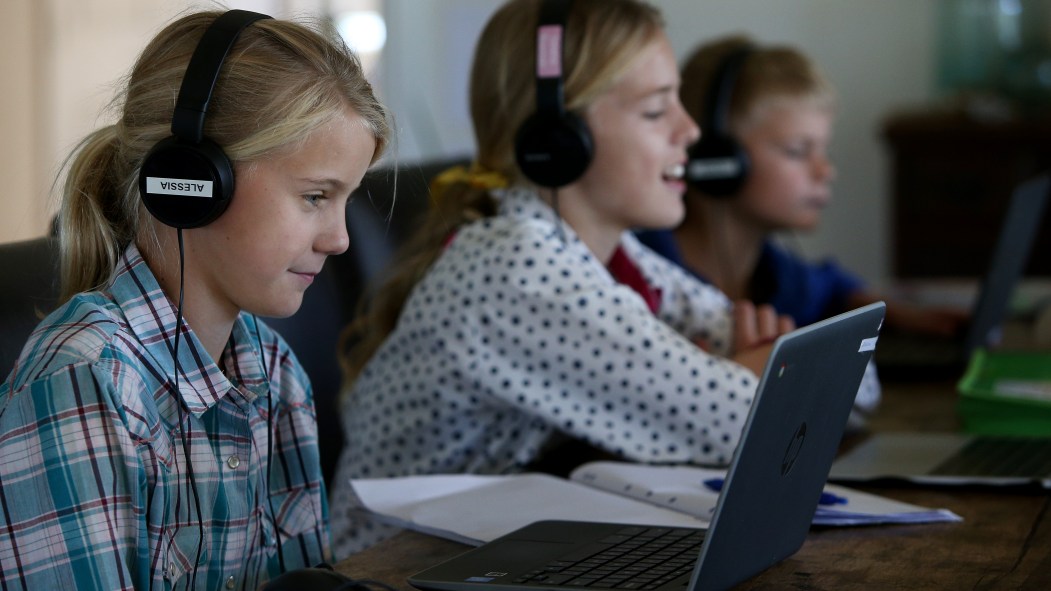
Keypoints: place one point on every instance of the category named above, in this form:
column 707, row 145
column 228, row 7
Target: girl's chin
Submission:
column 284, row 308
column 666, row 222
column 807, row 226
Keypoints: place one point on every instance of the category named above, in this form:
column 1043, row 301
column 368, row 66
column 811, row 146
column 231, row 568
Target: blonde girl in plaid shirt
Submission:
column 96, row 489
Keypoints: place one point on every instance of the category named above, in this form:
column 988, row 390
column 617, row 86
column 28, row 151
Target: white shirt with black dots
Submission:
column 517, row 337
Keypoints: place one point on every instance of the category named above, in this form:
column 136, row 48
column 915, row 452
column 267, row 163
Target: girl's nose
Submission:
column 335, row 239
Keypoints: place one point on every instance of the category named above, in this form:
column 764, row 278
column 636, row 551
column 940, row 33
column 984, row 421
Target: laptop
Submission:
column 948, row 459
column 911, row 356
column 765, row 507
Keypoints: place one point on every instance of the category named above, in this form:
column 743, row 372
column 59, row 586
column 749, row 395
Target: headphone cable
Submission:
column 192, row 480
column 558, row 216
column 269, row 444
column 722, row 257
column 186, row 432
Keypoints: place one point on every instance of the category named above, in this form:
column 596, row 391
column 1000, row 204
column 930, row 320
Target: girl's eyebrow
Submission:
column 328, row 183
column 656, row 92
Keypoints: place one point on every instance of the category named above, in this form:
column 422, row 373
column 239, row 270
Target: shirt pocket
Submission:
column 300, row 525
column 297, row 512
column 179, row 553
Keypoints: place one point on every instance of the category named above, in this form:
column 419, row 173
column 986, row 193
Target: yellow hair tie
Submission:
column 477, row 177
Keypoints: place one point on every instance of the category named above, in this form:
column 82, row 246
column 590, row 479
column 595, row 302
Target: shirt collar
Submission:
column 152, row 317
column 525, row 203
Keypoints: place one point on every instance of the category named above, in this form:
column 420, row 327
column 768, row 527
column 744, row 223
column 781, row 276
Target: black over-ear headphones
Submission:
column 718, row 163
column 186, row 180
column 553, row 147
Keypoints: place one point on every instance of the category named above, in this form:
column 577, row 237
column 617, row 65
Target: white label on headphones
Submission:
column 716, row 168
column 183, row 187
column 549, row 51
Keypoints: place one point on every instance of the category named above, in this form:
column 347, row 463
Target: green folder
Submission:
column 1006, row 393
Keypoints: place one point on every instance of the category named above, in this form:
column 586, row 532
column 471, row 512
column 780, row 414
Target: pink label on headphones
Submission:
column 549, row 51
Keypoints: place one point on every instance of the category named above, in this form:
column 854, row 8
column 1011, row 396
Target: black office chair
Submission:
column 385, row 212
column 28, row 291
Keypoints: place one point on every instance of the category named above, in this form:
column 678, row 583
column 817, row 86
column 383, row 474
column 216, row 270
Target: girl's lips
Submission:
column 673, row 177
column 679, row 186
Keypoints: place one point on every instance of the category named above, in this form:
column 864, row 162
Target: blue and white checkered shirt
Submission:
column 95, row 490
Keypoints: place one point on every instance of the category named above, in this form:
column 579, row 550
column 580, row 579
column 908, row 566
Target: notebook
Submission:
column 765, row 507
column 911, row 356
column 948, row 459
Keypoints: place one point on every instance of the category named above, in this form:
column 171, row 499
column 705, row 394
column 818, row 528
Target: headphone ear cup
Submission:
column 186, row 185
column 718, row 166
column 553, row 151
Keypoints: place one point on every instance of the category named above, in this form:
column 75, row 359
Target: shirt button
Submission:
column 230, row 583
column 171, row 570
column 233, row 462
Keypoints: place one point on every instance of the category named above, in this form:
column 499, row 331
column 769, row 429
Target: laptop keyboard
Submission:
column 999, row 456
column 633, row 558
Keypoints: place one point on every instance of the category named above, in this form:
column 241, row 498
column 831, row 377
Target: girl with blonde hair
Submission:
column 153, row 433
column 525, row 320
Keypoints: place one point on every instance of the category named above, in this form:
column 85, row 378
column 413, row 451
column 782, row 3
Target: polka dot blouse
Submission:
column 518, row 336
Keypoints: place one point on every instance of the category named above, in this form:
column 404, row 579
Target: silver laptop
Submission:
column 953, row 458
column 948, row 459
column 913, row 356
column 764, row 510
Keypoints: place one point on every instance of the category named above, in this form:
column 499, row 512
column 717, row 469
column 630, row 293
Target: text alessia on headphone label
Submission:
column 184, row 187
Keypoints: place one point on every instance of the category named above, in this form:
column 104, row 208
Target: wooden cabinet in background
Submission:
column 952, row 180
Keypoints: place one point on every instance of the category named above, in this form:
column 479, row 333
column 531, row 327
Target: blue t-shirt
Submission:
column 806, row 291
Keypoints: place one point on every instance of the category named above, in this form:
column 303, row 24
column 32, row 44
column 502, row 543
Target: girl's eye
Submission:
column 314, row 199
column 654, row 115
column 795, row 151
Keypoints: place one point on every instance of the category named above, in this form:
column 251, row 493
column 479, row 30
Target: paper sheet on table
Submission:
column 475, row 509
column 867, row 509
column 682, row 488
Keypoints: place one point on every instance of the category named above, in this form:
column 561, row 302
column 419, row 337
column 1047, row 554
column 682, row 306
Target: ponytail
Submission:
column 99, row 215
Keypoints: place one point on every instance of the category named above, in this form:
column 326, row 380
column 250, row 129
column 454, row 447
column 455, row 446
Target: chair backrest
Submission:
column 28, row 291
column 384, row 213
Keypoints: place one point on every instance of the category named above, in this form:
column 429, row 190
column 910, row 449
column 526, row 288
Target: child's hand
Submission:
column 755, row 330
column 906, row 316
column 937, row 321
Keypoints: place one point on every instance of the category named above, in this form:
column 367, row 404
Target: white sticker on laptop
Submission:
column 868, row 344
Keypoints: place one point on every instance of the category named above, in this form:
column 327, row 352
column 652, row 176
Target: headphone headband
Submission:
column 203, row 71
column 550, row 38
column 553, row 147
column 721, row 89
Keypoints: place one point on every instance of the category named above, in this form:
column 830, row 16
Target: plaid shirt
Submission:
column 95, row 491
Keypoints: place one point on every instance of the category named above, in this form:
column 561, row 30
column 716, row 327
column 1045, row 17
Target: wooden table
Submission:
column 1004, row 541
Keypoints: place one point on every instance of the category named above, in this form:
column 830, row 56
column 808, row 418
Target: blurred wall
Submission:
column 880, row 56
column 62, row 59
column 21, row 202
